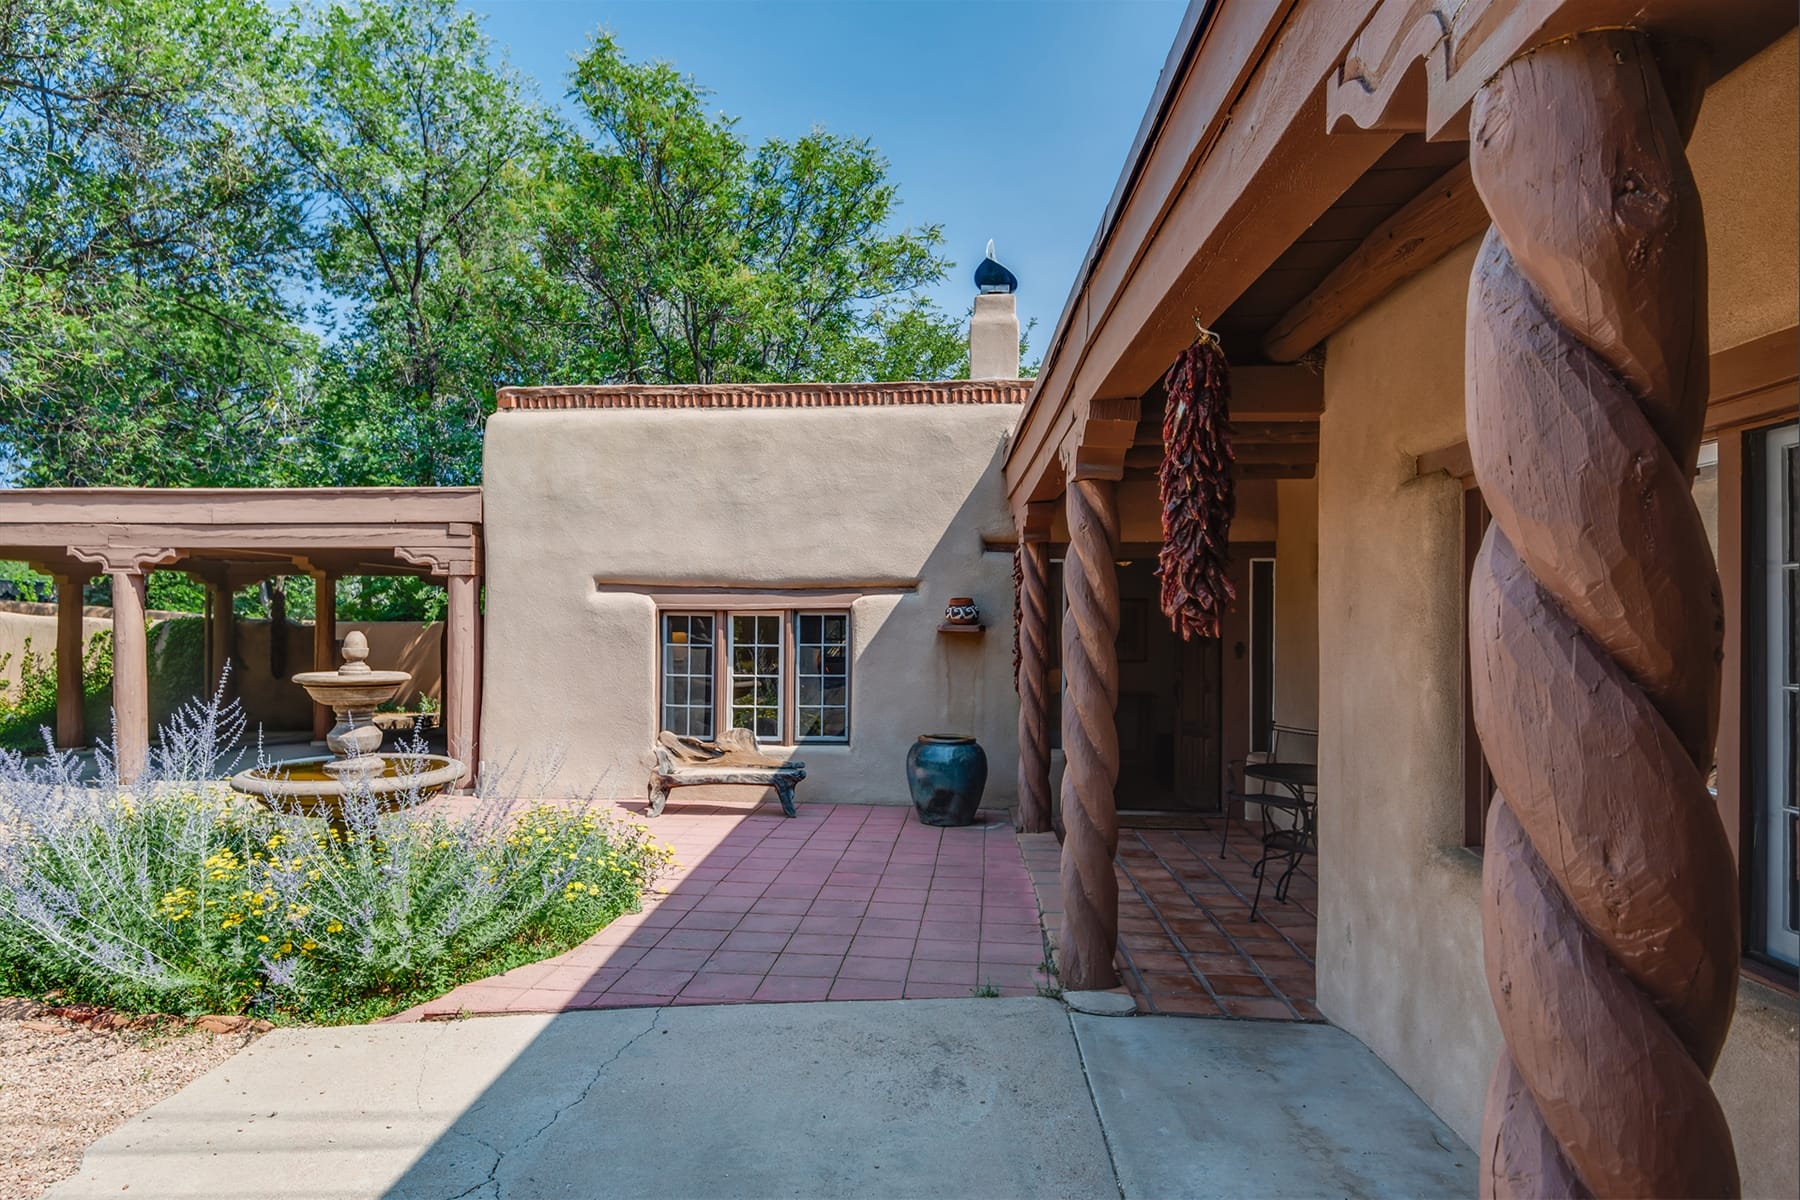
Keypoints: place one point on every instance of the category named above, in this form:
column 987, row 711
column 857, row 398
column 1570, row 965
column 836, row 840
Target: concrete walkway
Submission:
column 910, row 1098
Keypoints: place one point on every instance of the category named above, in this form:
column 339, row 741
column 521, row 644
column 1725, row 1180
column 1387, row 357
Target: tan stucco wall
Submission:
column 588, row 512
column 1399, row 928
column 1297, row 604
column 1746, row 157
column 1399, row 919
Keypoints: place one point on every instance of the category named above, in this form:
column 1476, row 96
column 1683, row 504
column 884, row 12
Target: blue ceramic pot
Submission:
column 947, row 773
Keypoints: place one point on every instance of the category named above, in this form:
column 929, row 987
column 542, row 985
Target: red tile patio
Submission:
column 844, row 902
column 1186, row 941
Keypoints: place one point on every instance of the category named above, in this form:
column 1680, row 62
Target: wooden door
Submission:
column 1197, row 741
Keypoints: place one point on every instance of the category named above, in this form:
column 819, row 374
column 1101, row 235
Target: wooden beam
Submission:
column 1435, row 222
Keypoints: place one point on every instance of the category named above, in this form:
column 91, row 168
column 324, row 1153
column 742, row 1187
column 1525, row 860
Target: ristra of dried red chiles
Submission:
column 1198, row 498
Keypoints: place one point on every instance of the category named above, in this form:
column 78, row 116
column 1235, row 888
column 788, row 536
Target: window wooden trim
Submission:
column 790, row 615
column 1477, row 780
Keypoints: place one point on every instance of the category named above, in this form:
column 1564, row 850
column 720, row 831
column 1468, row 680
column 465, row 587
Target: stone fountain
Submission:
column 318, row 787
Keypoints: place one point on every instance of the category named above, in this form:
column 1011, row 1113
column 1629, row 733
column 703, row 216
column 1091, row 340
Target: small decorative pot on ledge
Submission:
column 962, row 610
column 947, row 773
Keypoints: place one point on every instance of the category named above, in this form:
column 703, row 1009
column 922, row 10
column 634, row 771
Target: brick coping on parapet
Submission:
column 767, row 395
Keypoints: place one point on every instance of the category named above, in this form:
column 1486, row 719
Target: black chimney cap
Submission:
column 990, row 276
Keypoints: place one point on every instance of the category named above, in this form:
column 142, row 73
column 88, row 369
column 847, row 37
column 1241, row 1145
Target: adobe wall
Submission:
column 1399, row 923
column 589, row 514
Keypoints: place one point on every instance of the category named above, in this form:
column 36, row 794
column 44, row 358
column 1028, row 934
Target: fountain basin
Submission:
column 306, row 787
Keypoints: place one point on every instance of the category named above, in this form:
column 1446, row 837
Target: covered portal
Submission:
column 1503, row 244
column 230, row 538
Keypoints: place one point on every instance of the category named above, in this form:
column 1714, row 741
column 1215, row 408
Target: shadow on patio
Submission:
column 1187, row 944
column 843, row 902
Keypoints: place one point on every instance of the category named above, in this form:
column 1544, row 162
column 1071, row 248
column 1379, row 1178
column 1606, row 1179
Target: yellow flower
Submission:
column 335, row 927
column 262, row 937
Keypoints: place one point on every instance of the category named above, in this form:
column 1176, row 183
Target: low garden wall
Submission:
column 178, row 664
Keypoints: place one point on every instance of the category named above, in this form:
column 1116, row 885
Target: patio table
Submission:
column 1286, row 845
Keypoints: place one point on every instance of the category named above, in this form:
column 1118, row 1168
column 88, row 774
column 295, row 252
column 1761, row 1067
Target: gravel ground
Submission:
column 65, row 1082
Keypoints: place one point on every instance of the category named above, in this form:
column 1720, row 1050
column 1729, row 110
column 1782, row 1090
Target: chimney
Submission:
column 994, row 329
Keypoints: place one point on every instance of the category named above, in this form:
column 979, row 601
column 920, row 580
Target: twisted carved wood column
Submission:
column 1034, row 699
column 1609, row 903
column 1090, row 891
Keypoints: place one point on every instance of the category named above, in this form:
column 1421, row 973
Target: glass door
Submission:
column 1775, row 914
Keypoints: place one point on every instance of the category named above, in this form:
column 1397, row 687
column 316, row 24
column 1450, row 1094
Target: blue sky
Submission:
column 1007, row 119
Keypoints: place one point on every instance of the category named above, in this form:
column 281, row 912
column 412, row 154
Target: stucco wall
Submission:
column 1399, row 921
column 1746, row 158
column 1399, row 930
column 589, row 513
column 1297, row 604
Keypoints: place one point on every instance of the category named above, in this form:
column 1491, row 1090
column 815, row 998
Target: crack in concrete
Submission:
column 500, row 1156
column 1112, row 1160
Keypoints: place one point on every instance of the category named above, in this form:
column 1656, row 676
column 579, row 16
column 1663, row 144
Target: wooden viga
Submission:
column 1609, row 916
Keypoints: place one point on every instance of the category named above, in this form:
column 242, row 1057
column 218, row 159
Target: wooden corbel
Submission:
column 1417, row 64
column 1035, row 521
column 132, row 560
column 1096, row 446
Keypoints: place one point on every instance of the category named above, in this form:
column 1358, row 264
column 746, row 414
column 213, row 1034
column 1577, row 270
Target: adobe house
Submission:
column 1509, row 293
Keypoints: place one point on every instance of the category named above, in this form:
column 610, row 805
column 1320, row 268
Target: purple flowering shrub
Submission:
column 171, row 895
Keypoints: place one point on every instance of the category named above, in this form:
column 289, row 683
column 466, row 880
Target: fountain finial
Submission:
column 356, row 649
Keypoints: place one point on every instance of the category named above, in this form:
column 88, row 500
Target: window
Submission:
column 822, row 676
column 779, row 674
column 1478, row 781
column 756, row 674
column 687, row 672
column 1773, row 591
column 1262, row 654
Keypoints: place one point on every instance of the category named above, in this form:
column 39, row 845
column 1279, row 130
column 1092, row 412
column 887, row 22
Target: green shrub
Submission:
column 176, row 899
column 28, row 707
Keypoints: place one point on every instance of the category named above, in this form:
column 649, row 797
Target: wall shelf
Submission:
column 947, row 627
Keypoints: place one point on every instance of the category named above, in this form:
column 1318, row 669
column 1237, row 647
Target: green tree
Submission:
column 410, row 136
column 147, row 236
column 673, row 252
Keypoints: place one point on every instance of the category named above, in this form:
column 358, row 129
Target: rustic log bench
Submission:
column 684, row 762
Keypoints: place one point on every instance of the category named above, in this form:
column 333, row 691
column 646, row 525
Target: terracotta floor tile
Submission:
column 709, row 919
column 825, row 965
column 741, row 962
column 1157, row 960
column 1013, row 952
column 1238, row 985
column 1249, row 1006
column 925, row 970
column 1194, row 1006
column 864, row 967
column 882, row 947
column 661, row 959
column 770, row 922
column 819, row 943
column 649, row 982
column 691, row 939
column 966, row 950
column 715, row 985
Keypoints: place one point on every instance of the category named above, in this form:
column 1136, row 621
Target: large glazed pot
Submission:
column 947, row 772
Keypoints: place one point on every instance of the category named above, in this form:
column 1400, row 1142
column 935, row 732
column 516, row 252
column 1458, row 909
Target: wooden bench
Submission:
column 684, row 762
